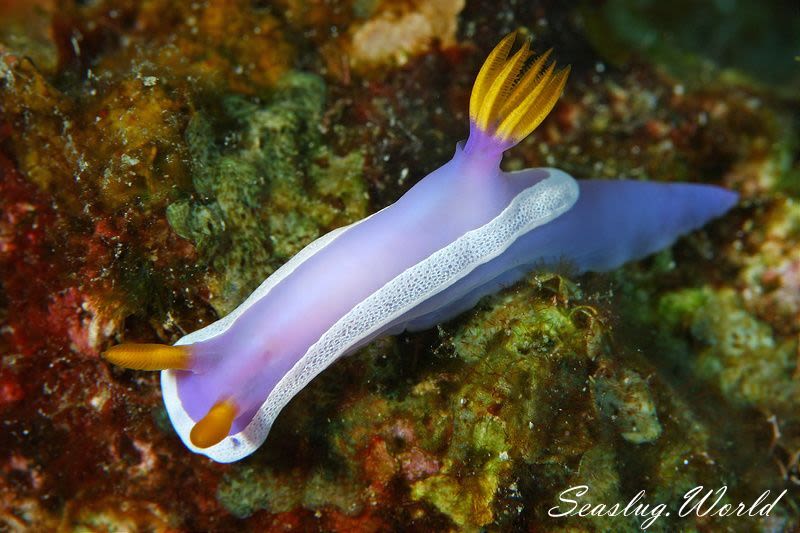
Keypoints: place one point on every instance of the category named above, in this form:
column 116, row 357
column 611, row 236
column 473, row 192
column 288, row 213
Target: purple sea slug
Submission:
column 464, row 231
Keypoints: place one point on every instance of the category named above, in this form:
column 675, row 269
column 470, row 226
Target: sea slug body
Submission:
column 464, row 231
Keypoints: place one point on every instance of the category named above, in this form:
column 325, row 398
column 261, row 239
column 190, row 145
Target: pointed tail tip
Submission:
column 721, row 199
column 215, row 426
column 730, row 199
column 149, row 356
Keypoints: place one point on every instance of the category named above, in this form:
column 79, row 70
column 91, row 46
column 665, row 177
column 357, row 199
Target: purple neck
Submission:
column 484, row 149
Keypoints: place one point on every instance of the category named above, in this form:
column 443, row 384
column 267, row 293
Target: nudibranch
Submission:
column 462, row 232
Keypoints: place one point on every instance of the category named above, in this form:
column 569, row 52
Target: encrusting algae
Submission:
column 154, row 173
column 259, row 200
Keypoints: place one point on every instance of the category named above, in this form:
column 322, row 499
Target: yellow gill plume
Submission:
column 512, row 96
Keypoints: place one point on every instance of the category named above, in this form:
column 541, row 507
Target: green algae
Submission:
column 627, row 401
column 561, row 433
column 598, row 472
column 739, row 353
column 476, row 463
column 249, row 490
column 264, row 188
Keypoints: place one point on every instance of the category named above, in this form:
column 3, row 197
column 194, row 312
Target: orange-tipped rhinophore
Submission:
column 215, row 426
column 150, row 356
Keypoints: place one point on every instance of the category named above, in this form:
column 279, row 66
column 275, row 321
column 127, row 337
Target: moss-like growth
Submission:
column 626, row 400
column 737, row 352
column 265, row 187
column 249, row 490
